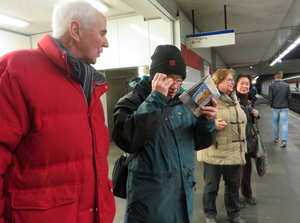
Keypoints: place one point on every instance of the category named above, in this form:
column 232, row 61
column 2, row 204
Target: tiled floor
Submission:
column 277, row 193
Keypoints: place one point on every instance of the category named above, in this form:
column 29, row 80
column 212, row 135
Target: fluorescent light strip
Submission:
column 98, row 5
column 289, row 49
column 291, row 78
column 8, row 20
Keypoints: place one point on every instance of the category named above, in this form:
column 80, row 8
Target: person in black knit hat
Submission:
column 167, row 59
column 152, row 121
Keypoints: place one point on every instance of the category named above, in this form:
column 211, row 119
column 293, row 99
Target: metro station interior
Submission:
column 263, row 31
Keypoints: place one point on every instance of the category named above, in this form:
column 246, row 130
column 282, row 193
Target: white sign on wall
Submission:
column 210, row 39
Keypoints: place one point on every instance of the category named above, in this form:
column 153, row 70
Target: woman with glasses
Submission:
column 227, row 154
column 243, row 84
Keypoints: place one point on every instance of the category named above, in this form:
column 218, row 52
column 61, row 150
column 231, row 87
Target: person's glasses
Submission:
column 229, row 79
column 178, row 81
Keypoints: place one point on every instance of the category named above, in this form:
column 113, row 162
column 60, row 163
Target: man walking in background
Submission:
column 280, row 97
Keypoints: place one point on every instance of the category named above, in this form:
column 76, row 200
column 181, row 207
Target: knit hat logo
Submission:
column 167, row 59
column 172, row 62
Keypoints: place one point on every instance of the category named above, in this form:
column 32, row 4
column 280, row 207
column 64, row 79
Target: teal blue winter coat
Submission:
column 161, row 177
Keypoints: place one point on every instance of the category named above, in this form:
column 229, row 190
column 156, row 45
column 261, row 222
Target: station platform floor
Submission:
column 277, row 193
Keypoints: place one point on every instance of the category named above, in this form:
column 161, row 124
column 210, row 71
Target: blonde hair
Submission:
column 220, row 75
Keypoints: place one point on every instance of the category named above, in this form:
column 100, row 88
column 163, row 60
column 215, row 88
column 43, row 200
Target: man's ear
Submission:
column 74, row 29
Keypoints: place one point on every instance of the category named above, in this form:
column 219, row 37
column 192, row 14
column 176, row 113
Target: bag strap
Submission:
column 255, row 126
column 162, row 118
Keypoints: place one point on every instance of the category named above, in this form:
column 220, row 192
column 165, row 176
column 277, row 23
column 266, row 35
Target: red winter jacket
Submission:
column 53, row 147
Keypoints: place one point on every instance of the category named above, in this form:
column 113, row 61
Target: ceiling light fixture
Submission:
column 8, row 20
column 289, row 49
column 98, row 5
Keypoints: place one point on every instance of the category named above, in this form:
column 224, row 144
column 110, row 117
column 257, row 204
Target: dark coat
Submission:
column 280, row 95
column 247, row 108
column 161, row 177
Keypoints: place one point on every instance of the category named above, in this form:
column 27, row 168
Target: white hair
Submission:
column 65, row 11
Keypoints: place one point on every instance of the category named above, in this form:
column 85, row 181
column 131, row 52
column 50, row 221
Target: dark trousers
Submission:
column 246, row 177
column 212, row 177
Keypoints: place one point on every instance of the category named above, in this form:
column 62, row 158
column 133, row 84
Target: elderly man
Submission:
column 53, row 139
column 161, row 176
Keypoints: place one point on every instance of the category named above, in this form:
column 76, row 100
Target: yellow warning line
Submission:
column 294, row 116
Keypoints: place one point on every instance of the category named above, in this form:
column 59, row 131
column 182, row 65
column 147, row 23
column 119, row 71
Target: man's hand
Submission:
column 210, row 111
column 161, row 83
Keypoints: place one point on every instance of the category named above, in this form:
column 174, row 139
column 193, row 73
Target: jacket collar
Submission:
column 231, row 99
column 55, row 51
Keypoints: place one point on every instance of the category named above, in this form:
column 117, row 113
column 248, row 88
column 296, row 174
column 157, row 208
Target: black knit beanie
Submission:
column 167, row 59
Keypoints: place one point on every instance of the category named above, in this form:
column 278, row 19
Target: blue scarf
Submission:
column 84, row 74
column 83, row 71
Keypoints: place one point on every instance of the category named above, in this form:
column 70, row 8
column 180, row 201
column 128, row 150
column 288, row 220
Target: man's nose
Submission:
column 174, row 85
column 105, row 43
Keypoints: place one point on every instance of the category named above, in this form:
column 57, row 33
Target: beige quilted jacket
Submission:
column 230, row 145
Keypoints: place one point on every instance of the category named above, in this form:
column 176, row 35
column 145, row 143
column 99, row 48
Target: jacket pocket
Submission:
column 46, row 204
column 150, row 198
column 143, row 186
column 190, row 184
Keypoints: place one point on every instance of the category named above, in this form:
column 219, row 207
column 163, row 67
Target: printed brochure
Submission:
column 199, row 95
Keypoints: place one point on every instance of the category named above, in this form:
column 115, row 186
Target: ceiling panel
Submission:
column 39, row 12
column 262, row 27
column 242, row 15
column 246, row 53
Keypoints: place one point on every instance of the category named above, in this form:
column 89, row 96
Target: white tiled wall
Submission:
column 10, row 41
column 110, row 58
column 160, row 33
column 132, row 41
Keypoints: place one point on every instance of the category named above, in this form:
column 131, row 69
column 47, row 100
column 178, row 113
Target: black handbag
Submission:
column 120, row 173
column 120, row 170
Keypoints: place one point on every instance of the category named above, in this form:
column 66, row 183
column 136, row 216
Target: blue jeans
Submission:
column 281, row 114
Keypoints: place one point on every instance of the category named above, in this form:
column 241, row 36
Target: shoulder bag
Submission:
column 259, row 153
column 120, row 170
